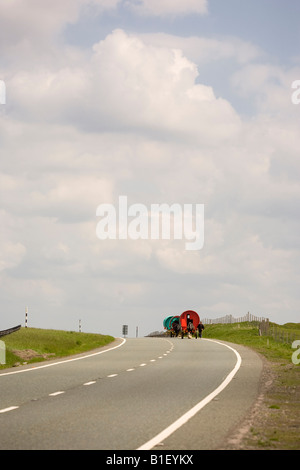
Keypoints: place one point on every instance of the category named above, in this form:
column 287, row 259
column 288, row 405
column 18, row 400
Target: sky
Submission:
column 164, row 102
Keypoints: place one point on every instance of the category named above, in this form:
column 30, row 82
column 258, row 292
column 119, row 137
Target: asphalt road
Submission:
column 144, row 393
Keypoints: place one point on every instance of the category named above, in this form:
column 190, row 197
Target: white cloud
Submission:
column 69, row 198
column 31, row 32
column 269, row 85
column 202, row 50
column 131, row 116
column 23, row 21
column 127, row 84
column 12, row 249
column 168, row 7
column 11, row 254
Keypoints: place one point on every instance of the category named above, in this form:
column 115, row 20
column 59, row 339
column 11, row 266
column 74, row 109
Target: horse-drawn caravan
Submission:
column 187, row 324
column 172, row 324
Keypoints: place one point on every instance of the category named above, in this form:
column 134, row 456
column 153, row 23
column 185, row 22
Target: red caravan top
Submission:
column 189, row 314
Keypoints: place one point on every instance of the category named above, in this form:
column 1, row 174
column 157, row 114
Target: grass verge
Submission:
column 34, row 345
column 275, row 424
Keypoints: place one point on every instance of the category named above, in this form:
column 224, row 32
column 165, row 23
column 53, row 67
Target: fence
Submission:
column 265, row 328
column 279, row 334
column 231, row 319
column 10, row 330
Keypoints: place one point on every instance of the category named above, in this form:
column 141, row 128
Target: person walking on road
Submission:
column 190, row 328
column 200, row 329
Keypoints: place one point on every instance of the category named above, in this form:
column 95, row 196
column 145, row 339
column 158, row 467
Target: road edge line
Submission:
column 64, row 361
column 193, row 411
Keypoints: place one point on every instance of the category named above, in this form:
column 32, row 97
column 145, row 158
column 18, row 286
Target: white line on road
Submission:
column 189, row 414
column 64, row 361
column 60, row 392
column 4, row 410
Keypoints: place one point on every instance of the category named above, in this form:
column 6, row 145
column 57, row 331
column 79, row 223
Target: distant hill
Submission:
column 295, row 326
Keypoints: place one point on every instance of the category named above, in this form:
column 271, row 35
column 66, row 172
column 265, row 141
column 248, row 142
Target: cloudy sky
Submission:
column 162, row 101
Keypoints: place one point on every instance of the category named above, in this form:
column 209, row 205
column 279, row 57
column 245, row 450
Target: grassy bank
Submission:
column 275, row 424
column 247, row 333
column 33, row 345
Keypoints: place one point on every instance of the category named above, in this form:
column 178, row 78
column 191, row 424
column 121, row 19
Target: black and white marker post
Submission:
column 26, row 316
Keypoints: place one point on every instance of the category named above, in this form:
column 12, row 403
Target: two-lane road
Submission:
column 135, row 394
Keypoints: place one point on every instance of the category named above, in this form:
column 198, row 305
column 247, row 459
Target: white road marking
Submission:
column 189, row 414
column 60, row 392
column 5, row 410
column 64, row 361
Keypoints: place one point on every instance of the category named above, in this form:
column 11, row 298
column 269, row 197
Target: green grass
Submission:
column 49, row 343
column 247, row 334
column 276, row 426
column 277, row 429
